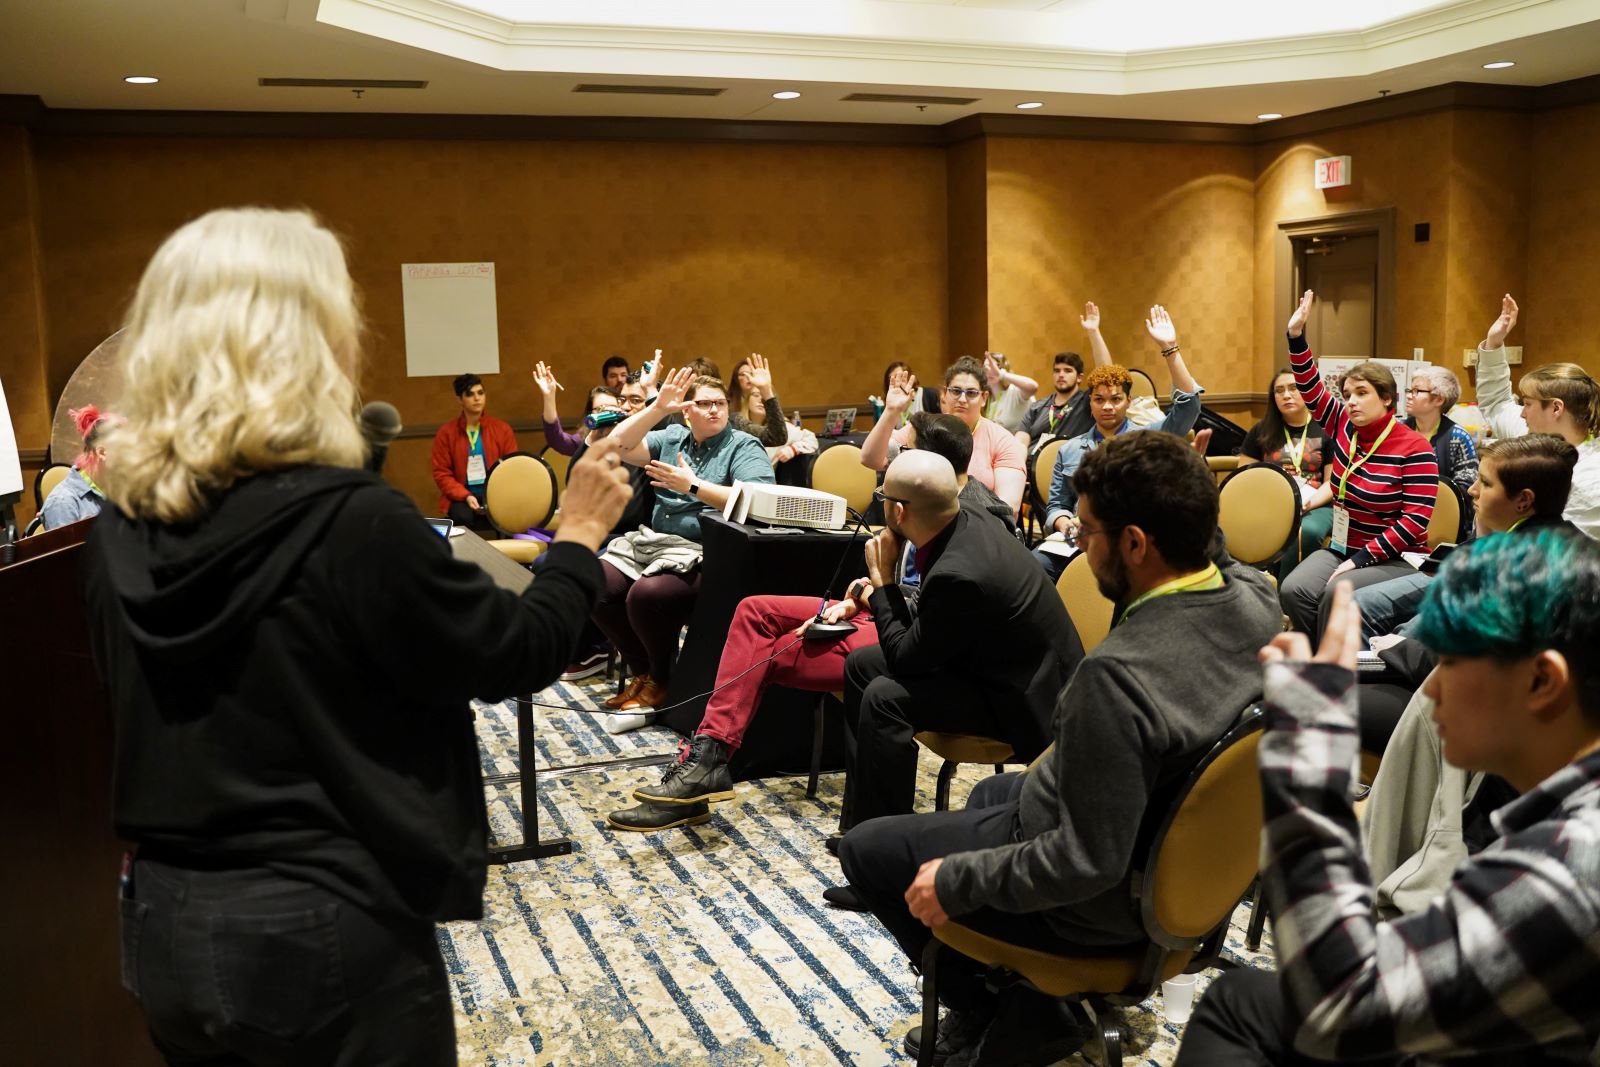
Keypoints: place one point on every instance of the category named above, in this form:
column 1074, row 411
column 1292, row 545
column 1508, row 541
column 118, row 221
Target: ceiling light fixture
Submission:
column 1030, row 105
column 1267, row 116
column 787, row 94
column 1500, row 64
column 140, row 79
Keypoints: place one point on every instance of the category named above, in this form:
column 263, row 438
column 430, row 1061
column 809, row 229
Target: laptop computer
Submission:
column 838, row 421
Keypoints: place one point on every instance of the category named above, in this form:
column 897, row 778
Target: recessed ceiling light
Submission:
column 140, row 79
column 1030, row 105
column 1268, row 115
column 1499, row 64
column 787, row 94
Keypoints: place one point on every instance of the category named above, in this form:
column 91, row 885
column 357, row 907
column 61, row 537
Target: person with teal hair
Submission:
column 1502, row 965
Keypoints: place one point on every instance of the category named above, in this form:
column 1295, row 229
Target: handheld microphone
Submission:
column 834, row 631
column 380, row 423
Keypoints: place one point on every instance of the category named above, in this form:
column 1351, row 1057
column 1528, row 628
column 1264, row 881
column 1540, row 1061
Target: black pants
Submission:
column 1243, row 1020
column 886, row 712
column 881, row 857
column 247, row 967
column 462, row 515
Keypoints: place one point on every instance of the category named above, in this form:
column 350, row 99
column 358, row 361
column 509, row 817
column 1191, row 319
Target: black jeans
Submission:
column 462, row 515
column 1243, row 1021
column 247, row 967
column 882, row 856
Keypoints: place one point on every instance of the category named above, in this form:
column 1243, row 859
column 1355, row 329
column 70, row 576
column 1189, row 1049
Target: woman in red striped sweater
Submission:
column 1383, row 475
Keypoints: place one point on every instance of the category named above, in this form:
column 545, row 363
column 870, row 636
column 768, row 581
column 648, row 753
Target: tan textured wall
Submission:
column 1127, row 226
column 1405, row 164
column 22, row 351
column 1490, row 197
column 967, row 211
column 1561, row 311
column 830, row 260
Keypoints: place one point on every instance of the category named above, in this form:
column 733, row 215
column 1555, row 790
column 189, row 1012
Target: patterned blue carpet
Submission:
column 705, row 945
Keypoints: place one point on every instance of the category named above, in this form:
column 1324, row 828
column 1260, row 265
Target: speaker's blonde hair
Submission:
column 240, row 357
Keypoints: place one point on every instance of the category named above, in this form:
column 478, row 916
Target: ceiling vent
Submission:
column 341, row 83
column 897, row 98
column 650, row 90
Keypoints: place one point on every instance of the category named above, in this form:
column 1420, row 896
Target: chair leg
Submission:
column 1103, row 1018
column 1258, row 919
column 941, row 793
column 930, row 1003
column 816, row 746
column 999, row 768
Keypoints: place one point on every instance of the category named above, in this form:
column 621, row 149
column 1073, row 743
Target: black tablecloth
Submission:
column 743, row 561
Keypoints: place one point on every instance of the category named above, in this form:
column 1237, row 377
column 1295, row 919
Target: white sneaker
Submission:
column 621, row 722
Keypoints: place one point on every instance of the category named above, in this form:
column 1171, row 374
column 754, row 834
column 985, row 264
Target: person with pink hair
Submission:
column 79, row 497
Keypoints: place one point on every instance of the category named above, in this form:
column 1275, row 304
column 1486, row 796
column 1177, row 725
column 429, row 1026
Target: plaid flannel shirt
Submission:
column 1507, row 960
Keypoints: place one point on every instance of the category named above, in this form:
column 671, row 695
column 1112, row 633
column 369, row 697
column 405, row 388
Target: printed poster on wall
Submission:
column 451, row 319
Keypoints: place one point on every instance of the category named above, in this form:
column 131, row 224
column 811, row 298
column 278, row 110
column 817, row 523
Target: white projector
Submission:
column 785, row 505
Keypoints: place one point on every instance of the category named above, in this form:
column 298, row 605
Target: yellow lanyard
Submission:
column 473, row 433
column 1297, row 452
column 1356, row 459
column 1514, row 525
column 1210, row 578
column 85, row 476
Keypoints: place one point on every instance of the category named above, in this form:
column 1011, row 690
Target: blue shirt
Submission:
column 723, row 459
column 1179, row 419
column 74, row 499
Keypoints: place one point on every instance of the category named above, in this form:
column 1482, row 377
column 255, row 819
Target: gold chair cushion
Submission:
column 1086, row 605
column 1257, row 510
column 521, row 494
column 838, row 470
column 520, row 551
column 1444, row 527
column 1056, row 975
column 965, row 748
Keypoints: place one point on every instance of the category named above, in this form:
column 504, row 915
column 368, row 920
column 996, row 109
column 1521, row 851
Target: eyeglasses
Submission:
column 1414, row 391
column 633, row 401
column 1090, row 531
column 962, row 394
column 880, row 495
column 709, row 406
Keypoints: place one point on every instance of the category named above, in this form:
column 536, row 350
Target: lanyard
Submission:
column 473, row 433
column 1056, row 414
column 85, row 476
column 1514, row 525
column 1210, row 578
column 1356, row 459
column 1296, row 452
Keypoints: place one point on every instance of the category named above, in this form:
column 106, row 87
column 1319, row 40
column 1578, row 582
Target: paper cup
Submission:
column 1177, row 998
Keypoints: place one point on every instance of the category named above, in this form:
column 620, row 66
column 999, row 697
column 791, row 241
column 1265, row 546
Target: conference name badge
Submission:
column 476, row 475
column 1341, row 529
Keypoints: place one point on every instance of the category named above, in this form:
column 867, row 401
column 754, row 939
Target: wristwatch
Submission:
column 694, row 488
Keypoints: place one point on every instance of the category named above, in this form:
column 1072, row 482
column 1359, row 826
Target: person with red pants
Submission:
column 766, row 646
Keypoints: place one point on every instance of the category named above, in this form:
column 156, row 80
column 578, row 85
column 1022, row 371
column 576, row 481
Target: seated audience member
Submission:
column 614, row 372
column 1065, row 412
column 1519, row 483
column 766, row 632
column 1010, row 393
column 79, row 496
column 1559, row 398
column 1109, row 387
column 464, row 451
column 754, row 403
column 1287, row 436
column 899, row 373
column 997, row 459
column 601, row 398
column 980, row 601
column 1382, row 478
column 1432, row 392
column 1501, row 967
column 652, row 574
column 289, row 653
column 1042, row 858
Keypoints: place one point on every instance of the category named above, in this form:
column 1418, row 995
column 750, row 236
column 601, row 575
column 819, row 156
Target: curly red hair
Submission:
column 1108, row 374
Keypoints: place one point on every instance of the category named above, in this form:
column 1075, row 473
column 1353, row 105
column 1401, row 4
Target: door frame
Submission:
column 1286, row 273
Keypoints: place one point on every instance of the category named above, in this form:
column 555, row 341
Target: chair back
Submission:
column 521, row 493
column 838, row 470
column 1088, row 608
column 1143, row 385
column 1451, row 514
column 1259, row 513
column 46, row 480
column 1205, row 851
column 1041, row 471
column 558, row 464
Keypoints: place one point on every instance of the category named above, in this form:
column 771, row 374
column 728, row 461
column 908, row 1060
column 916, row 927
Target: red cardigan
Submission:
column 450, row 448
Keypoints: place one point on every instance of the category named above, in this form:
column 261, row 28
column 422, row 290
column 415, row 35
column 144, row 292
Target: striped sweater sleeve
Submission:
column 1325, row 407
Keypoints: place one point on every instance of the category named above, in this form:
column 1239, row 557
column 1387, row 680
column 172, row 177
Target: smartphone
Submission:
column 1430, row 565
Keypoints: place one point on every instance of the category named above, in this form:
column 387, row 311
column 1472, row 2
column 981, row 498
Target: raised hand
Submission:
column 673, row 390
column 1202, row 440
column 647, row 378
column 1159, row 326
column 1090, row 319
column 545, row 378
column 991, row 371
column 901, row 390
column 1302, row 312
column 1496, row 337
column 597, row 492
column 760, row 375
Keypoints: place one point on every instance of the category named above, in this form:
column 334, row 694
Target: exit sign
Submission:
column 1333, row 171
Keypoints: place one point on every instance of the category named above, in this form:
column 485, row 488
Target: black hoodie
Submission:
column 290, row 677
